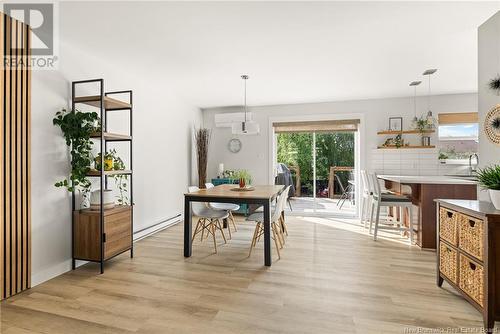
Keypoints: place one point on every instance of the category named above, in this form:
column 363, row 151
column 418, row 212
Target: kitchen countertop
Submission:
column 430, row 179
column 472, row 207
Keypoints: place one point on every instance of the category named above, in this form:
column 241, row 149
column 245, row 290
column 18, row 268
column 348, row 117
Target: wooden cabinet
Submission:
column 116, row 237
column 468, row 256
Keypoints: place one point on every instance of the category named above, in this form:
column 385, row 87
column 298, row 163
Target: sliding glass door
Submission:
column 322, row 165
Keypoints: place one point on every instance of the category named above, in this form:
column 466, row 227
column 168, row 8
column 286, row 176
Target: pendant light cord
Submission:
column 245, row 80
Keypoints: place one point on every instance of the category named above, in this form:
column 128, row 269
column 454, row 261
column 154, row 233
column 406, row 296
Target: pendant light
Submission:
column 246, row 127
column 414, row 84
column 428, row 73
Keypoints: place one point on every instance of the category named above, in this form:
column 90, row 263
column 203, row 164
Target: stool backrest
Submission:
column 375, row 186
column 197, row 207
column 364, row 182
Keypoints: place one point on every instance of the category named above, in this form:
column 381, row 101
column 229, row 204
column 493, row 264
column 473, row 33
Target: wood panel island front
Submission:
column 423, row 190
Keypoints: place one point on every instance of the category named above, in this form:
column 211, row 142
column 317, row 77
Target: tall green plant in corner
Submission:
column 489, row 178
column 77, row 127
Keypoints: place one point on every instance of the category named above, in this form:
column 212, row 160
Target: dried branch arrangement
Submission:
column 202, row 137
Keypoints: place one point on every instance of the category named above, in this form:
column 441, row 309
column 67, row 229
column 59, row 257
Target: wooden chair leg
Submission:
column 203, row 227
column 276, row 242
column 219, row 226
column 213, row 234
column 254, row 239
column 232, row 220
column 196, row 230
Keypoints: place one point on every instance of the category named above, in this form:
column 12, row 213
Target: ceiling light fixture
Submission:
column 414, row 84
column 245, row 127
column 429, row 72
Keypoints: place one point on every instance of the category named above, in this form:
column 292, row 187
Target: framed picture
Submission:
column 395, row 123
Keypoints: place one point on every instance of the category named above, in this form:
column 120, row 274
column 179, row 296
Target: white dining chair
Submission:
column 276, row 216
column 229, row 207
column 208, row 219
column 380, row 199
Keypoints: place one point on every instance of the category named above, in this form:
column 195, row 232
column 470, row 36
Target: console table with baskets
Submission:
column 468, row 255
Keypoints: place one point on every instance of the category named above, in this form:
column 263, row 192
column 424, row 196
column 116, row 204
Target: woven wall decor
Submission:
column 492, row 125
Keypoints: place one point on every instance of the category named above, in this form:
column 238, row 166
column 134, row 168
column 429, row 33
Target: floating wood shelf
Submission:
column 415, row 132
column 109, row 172
column 391, row 147
column 109, row 103
column 111, row 136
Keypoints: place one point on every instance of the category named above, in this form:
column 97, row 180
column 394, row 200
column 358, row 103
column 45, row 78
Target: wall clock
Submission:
column 492, row 125
column 234, row 145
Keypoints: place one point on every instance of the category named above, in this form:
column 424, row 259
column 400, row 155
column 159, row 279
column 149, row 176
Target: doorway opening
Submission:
column 320, row 159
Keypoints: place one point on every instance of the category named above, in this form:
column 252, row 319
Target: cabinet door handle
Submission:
column 450, row 214
column 472, row 266
column 472, row 223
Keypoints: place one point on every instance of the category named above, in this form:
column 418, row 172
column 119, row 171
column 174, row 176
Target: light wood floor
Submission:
column 332, row 278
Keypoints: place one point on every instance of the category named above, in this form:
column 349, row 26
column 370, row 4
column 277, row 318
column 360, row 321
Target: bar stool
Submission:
column 366, row 198
column 380, row 199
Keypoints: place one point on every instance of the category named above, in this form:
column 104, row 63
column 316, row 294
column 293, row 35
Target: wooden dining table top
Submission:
column 224, row 191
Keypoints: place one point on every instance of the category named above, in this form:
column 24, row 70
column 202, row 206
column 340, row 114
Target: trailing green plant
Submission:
column 489, row 177
column 77, row 127
column 423, row 124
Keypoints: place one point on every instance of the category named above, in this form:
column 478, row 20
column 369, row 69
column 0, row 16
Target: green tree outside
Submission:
column 332, row 149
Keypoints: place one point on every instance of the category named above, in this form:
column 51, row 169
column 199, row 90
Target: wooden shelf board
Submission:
column 388, row 132
column 109, row 103
column 116, row 209
column 109, row 172
column 111, row 136
column 403, row 147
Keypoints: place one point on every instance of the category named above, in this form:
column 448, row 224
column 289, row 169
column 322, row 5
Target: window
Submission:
column 458, row 135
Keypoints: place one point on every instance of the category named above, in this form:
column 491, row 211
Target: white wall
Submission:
column 489, row 67
column 162, row 137
column 254, row 154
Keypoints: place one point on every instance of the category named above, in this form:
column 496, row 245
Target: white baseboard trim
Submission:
column 157, row 227
column 50, row 273
column 65, row 266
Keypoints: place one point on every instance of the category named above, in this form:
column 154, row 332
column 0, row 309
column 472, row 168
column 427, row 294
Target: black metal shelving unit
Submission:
column 105, row 103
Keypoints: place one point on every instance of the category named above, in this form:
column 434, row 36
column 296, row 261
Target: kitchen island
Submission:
column 423, row 190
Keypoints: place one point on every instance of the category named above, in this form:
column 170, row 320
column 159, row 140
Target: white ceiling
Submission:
column 293, row 51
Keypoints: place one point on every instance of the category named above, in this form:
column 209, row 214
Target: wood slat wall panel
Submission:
column 15, row 227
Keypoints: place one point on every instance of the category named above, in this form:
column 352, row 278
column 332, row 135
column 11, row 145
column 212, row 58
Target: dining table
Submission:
column 259, row 195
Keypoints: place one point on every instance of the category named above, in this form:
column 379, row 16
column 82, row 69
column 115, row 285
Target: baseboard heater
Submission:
column 157, row 227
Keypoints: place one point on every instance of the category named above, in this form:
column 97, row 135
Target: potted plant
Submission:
column 489, row 178
column 423, row 125
column 77, row 127
column 113, row 162
column 243, row 176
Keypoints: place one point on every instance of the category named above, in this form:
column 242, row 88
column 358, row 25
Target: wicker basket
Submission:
column 448, row 220
column 471, row 235
column 448, row 262
column 471, row 278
